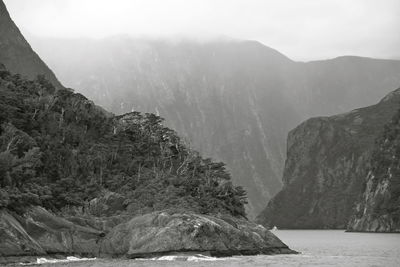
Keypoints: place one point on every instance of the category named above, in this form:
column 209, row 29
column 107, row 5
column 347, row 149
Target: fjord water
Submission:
column 318, row 247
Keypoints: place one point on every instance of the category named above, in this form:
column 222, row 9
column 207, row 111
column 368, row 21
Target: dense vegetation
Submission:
column 386, row 169
column 58, row 149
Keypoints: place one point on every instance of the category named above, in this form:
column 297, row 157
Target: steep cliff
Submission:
column 327, row 160
column 379, row 207
column 16, row 53
column 233, row 100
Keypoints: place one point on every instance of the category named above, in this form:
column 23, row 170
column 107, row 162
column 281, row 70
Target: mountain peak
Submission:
column 391, row 95
column 16, row 53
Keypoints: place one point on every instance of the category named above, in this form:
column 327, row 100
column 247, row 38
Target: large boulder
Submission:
column 160, row 233
column 14, row 240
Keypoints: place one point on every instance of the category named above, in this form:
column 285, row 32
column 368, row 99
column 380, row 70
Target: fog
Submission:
column 303, row 30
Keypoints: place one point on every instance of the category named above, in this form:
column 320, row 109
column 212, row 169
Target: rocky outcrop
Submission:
column 40, row 232
column 369, row 215
column 160, row 233
column 14, row 240
column 378, row 209
column 57, row 235
column 327, row 160
column 17, row 54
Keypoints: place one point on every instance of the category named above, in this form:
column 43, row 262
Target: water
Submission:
column 318, row 247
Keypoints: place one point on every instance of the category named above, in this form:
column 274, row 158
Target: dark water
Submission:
column 318, row 247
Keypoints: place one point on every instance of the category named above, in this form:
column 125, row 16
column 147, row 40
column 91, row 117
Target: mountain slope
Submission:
column 16, row 53
column 233, row 100
column 218, row 95
column 327, row 160
column 341, row 84
column 101, row 173
column 379, row 207
column 58, row 149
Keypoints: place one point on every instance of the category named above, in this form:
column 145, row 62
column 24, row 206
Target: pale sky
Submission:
column 300, row 29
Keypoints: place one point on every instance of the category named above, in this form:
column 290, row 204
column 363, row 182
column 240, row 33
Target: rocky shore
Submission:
column 39, row 232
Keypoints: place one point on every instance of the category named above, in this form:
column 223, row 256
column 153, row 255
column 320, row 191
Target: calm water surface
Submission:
column 318, row 247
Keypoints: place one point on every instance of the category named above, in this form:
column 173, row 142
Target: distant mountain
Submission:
column 233, row 100
column 328, row 160
column 16, row 53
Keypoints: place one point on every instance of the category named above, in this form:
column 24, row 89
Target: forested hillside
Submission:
column 58, row 149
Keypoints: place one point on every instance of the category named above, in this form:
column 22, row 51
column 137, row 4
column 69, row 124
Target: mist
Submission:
column 180, row 131
column 302, row 30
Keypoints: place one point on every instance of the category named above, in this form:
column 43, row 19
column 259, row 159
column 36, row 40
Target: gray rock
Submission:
column 58, row 235
column 161, row 233
column 14, row 240
column 103, row 224
column 39, row 231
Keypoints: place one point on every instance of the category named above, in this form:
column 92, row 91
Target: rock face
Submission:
column 328, row 159
column 14, row 240
column 161, row 233
column 379, row 207
column 369, row 215
column 40, row 232
column 55, row 234
column 17, row 54
column 234, row 101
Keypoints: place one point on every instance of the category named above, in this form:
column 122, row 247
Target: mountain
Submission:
column 328, row 159
column 379, row 207
column 75, row 179
column 233, row 100
column 221, row 104
column 58, row 149
column 16, row 53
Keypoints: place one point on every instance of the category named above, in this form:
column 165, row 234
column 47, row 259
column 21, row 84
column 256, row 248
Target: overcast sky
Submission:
column 301, row 29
